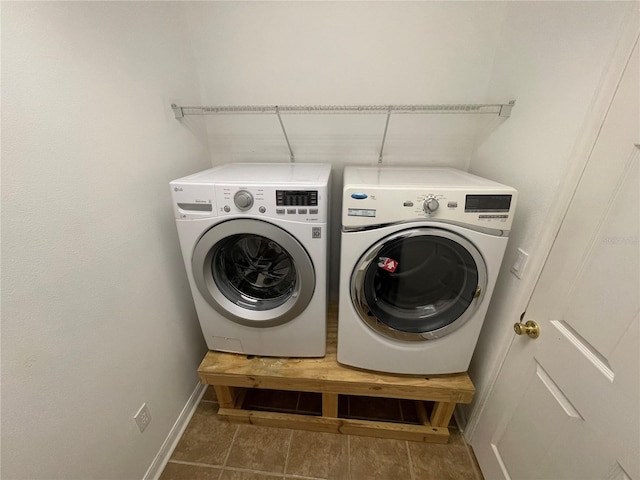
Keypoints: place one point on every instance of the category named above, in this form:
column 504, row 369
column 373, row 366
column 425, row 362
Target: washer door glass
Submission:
column 253, row 272
column 419, row 284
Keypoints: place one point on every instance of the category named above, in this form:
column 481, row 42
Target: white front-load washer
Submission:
column 421, row 251
column 254, row 238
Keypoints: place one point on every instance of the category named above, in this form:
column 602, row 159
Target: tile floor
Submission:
column 213, row 449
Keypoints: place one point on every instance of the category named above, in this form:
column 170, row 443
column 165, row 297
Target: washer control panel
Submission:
column 302, row 205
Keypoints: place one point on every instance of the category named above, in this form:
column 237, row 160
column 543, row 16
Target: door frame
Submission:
column 576, row 164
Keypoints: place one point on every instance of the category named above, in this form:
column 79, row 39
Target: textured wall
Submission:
column 96, row 311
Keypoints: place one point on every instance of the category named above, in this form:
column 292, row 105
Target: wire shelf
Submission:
column 499, row 109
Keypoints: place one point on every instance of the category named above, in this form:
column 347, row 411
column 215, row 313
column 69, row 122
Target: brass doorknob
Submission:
column 530, row 328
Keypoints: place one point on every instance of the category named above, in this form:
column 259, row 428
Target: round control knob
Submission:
column 243, row 200
column 227, row 208
column 262, row 209
column 431, row 204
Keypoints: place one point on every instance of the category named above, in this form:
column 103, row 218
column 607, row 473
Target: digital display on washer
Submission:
column 487, row 203
column 289, row 198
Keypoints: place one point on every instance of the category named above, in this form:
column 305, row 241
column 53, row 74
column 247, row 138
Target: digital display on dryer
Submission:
column 487, row 203
column 290, row 198
column 361, row 212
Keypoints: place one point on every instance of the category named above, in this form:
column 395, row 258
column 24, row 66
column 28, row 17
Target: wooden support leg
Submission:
column 330, row 405
column 441, row 415
column 226, row 396
column 422, row 413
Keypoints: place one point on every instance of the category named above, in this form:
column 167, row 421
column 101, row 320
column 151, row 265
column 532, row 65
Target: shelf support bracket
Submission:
column 505, row 110
column 284, row 131
column 177, row 111
column 384, row 135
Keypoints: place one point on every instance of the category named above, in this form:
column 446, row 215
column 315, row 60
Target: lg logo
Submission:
column 177, row 189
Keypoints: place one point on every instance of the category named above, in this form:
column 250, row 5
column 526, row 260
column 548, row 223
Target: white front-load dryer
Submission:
column 420, row 253
column 254, row 239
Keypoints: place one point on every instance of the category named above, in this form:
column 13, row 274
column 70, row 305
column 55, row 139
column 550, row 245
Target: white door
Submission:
column 566, row 405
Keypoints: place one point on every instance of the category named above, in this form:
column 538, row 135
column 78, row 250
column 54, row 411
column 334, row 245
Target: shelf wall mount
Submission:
column 500, row 109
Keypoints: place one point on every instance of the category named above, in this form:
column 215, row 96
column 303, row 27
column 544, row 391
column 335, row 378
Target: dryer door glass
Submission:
column 253, row 271
column 419, row 284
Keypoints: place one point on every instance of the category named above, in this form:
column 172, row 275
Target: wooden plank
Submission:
column 399, row 431
column 330, row 405
column 441, row 414
column 224, row 396
column 416, row 433
column 229, row 397
column 232, row 374
column 280, row 420
column 424, row 392
column 422, row 413
column 326, row 375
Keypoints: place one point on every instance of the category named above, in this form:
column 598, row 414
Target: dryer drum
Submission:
column 429, row 294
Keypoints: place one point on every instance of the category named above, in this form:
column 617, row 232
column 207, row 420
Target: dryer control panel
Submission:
column 385, row 195
column 377, row 206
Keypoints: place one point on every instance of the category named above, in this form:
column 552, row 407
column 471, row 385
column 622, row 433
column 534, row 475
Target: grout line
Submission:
column 272, row 474
column 304, row 478
column 286, row 460
column 477, row 473
column 348, row 456
column 412, row 474
column 226, row 458
column 194, row 464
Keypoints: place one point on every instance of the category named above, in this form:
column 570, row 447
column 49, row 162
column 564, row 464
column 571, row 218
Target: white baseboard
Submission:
column 461, row 418
column 158, row 464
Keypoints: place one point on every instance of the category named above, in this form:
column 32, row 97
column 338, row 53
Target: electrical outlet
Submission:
column 143, row 417
column 518, row 266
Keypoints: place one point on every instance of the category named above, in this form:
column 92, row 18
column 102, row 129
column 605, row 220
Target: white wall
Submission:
column 336, row 53
column 551, row 57
column 97, row 316
column 345, row 53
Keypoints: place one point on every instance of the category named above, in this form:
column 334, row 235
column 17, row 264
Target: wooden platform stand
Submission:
column 231, row 374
